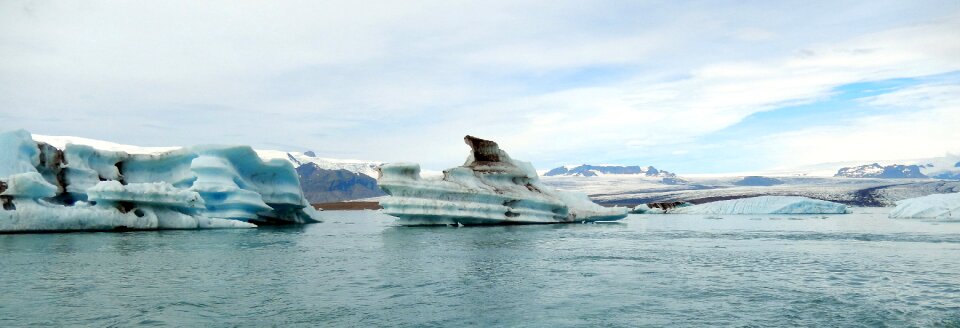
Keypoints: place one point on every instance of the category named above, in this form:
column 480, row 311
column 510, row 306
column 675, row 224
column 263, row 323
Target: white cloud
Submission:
column 640, row 116
column 561, row 82
column 925, row 127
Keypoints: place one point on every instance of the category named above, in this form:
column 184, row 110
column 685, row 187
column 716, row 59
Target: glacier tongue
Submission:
column 490, row 188
column 79, row 187
column 936, row 206
column 765, row 205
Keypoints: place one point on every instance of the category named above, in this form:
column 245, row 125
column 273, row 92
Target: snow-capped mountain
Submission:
column 943, row 167
column 586, row 170
column 948, row 173
column 875, row 170
column 368, row 168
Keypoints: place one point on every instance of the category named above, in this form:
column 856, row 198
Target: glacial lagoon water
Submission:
column 361, row 269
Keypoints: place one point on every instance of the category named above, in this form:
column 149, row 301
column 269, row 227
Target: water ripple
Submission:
column 363, row 270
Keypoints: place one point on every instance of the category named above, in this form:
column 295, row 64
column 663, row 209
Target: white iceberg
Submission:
column 765, row 205
column 490, row 188
column 44, row 188
column 936, row 206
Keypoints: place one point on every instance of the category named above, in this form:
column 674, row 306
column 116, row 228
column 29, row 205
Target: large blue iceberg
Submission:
column 490, row 188
column 44, row 188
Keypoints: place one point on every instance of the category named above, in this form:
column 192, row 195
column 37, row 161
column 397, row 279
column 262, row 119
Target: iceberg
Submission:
column 79, row 187
column 936, row 206
column 765, row 205
column 489, row 188
column 658, row 208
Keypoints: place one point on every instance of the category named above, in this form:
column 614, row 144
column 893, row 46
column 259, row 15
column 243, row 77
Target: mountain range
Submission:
column 901, row 171
column 587, row 170
column 322, row 185
column 875, row 170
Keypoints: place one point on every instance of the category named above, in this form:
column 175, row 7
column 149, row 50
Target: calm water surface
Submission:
column 359, row 268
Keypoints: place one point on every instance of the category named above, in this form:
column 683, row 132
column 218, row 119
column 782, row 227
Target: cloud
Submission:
column 923, row 126
column 640, row 116
column 557, row 83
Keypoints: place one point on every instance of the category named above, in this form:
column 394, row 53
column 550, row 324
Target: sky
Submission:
column 686, row 86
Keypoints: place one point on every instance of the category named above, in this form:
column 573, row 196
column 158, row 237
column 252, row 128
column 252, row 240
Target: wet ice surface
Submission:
column 860, row 269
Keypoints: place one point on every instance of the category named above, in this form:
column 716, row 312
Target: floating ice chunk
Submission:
column 765, row 205
column 490, row 188
column 44, row 188
column 936, row 206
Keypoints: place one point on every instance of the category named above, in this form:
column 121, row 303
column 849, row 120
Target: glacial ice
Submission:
column 936, row 206
column 765, row 205
column 28, row 185
column 490, row 188
column 157, row 193
column 658, row 208
column 79, row 187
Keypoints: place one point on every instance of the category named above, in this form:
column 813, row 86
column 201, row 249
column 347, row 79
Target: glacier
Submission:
column 489, row 188
column 765, row 205
column 79, row 187
column 936, row 206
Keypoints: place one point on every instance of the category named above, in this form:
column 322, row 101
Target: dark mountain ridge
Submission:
column 587, row 170
column 875, row 170
column 325, row 186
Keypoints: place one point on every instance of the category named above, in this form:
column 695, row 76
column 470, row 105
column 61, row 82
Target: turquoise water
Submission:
column 361, row 270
